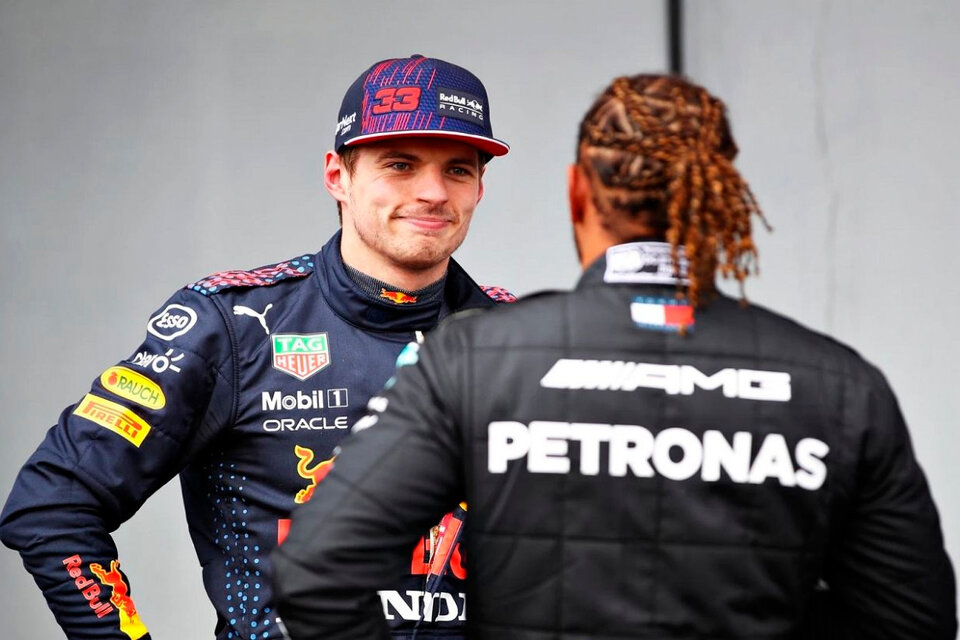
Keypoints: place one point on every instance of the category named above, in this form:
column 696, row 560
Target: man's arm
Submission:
column 396, row 475
column 135, row 429
column 888, row 572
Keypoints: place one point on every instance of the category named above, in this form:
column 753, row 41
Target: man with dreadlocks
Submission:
column 643, row 457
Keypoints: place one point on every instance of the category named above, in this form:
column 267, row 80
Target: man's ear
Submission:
column 334, row 175
column 576, row 192
column 483, row 170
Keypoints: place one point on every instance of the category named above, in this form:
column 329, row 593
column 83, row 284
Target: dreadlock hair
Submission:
column 658, row 152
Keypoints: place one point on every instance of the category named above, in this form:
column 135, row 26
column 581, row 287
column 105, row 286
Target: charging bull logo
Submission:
column 130, row 622
column 397, row 297
column 314, row 474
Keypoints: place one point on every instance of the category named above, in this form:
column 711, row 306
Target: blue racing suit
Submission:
column 244, row 385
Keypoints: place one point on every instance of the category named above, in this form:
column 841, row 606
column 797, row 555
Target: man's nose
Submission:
column 432, row 185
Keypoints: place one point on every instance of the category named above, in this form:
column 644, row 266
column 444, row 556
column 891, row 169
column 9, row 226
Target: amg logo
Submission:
column 421, row 605
column 638, row 451
column 617, row 375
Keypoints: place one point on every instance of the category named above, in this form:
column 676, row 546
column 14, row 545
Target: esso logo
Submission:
column 172, row 321
column 175, row 320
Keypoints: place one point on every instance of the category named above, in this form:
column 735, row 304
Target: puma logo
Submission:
column 240, row 310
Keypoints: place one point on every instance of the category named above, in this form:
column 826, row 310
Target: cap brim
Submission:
column 489, row 145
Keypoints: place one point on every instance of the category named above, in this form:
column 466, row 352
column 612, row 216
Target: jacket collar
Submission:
column 642, row 262
column 356, row 307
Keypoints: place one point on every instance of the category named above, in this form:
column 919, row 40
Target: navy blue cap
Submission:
column 417, row 96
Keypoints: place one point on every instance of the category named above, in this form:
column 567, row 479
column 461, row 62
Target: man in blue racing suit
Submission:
column 246, row 381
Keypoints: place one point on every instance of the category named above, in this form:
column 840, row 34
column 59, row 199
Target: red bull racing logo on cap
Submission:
column 301, row 356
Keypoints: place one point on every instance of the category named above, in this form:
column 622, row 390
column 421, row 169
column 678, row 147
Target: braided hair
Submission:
column 658, row 153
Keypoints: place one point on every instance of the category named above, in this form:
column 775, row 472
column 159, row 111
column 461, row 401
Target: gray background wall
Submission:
column 143, row 145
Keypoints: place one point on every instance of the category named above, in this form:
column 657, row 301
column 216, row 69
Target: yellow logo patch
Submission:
column 115, row 417
column 133, row 386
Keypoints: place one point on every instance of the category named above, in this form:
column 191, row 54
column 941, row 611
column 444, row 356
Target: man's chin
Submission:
column 421, row 262
column 424, row 255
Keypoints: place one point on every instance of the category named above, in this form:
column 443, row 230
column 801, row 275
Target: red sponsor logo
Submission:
column 86, row 586
column 395, row 99
column 440, row 551
column 114, row 579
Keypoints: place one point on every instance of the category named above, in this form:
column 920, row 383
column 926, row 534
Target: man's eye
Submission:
column 400, row 166
column 461, row 171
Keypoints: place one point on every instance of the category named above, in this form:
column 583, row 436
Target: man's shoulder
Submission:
column 521, row 315
column 803, row 345
column 498, row 294
column 265, row 276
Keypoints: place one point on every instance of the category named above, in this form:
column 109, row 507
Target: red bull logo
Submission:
column 130, row 622
column 314, row 474
column 120, row 599
column 86, row 586
column 397, row 297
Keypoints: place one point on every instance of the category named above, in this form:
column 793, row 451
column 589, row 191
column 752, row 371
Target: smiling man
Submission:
column 407, row 206
column 247, row 380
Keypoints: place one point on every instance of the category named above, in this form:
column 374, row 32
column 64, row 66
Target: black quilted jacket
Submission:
column 627, row 480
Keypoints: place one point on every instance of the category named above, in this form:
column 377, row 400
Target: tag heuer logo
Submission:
column 300, row 355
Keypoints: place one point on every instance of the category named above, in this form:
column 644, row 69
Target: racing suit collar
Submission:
column 646, row 262
column 350, row 303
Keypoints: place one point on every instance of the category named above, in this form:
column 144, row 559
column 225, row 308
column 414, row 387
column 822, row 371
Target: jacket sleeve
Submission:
column 398, row 473
column 888, row 573
column 136, row 428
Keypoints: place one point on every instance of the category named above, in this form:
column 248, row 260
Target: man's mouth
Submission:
column 426, row 221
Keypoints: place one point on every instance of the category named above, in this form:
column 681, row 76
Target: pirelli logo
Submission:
column 113, row 416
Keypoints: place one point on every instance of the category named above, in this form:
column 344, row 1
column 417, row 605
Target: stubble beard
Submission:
column 413, row 251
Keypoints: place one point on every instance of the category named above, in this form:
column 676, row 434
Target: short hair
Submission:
column 348, row 160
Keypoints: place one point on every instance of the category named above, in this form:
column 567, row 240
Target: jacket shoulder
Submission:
column 509, row 322
column 498, row 294
column 265, row 276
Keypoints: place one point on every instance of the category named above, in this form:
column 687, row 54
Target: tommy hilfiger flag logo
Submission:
column 301, row 356
column 662, row 314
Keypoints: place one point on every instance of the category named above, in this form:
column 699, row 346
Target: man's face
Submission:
column 408, row 203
